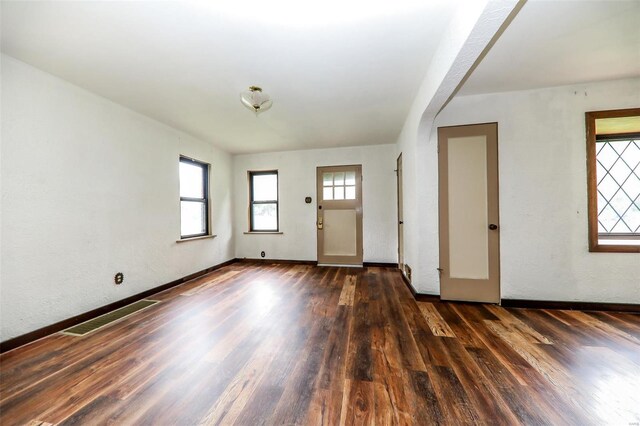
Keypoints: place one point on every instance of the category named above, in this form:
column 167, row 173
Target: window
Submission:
column 339, row 185
column 613, row 151
column 263, row 201
column 194, row 198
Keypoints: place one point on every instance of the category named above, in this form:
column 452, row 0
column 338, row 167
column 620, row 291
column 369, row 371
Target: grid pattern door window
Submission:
column 339, row 185
column 618, row 177
column 263, row 208
column 194, row 198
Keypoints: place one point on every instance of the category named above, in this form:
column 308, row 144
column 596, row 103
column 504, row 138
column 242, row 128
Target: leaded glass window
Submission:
column 618, row 177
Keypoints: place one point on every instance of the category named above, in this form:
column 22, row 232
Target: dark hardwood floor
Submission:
column 269, row 344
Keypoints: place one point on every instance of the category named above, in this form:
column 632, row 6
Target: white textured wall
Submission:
column 543, row 193
column 297, row 180
column 90, row 188
column 469, row 32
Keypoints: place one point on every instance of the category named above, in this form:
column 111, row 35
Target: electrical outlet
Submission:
column 262, row 254
column 118, row 278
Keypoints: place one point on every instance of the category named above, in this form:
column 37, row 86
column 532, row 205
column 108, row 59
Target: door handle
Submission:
column 400, row 222
column 493, row 226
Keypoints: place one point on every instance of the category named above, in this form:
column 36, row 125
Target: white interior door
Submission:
column 468, row 205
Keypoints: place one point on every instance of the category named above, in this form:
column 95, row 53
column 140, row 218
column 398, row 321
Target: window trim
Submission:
column 592, row 183
column 205, row 192
column 250, row 175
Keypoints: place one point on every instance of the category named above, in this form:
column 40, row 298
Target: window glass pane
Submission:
column 338, row 192
column 265, row 187
column 327, row 179
column 191, row 180
column 265, row 217
column 338, row 178
column 617, row 164
column 350, row 178
column 350, row 193
column 601, row 228
column 632, row 217
column 327, row 193
column 607, row 187
column 607, row 218
column 620, row 228
column 192, row 218
column 606, row 154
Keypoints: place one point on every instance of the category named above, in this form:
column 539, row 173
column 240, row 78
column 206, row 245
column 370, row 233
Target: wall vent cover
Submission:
column 108, row 318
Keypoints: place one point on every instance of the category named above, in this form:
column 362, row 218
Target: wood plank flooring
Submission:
column 255, row 344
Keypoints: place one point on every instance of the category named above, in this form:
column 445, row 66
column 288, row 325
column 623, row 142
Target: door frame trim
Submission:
column 400, row 217
column 400, row 209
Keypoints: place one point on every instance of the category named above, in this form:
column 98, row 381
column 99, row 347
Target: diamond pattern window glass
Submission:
column 613, row 180
column 618, row 186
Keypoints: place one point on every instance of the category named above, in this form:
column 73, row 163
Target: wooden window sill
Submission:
column 263, row 233
column 616, row 248
column 202, row 237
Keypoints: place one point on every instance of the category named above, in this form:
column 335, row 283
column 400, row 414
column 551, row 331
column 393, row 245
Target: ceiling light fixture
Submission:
column 255, row 100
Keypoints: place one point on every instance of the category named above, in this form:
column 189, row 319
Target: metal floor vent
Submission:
column 108, row 318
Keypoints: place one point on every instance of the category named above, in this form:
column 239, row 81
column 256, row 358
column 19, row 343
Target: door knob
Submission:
column 400, row 222
column 493, row 226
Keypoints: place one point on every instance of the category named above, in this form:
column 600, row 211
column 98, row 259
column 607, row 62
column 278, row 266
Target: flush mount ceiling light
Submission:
column 255, row 100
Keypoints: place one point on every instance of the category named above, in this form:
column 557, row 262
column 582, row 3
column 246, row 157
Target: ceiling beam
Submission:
column 474, row 28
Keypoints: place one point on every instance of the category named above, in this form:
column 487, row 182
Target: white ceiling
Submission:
column 552, row 43
column 341, row 73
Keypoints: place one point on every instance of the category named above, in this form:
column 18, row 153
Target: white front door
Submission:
column 339, row 217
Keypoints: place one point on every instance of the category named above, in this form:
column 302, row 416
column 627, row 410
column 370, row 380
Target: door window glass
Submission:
column 339, row 185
